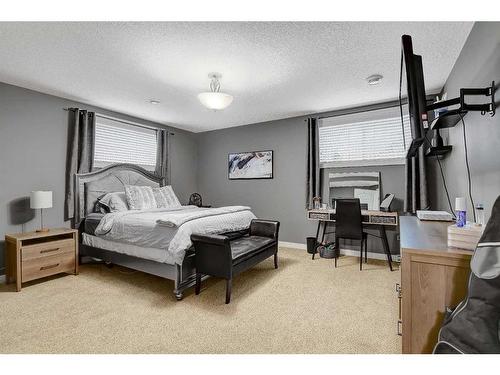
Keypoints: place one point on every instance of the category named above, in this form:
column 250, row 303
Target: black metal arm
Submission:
column 483, row 108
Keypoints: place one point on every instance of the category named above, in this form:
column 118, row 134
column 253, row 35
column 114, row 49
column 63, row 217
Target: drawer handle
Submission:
column 48, row 250
column 399, row 292
column 48, row 267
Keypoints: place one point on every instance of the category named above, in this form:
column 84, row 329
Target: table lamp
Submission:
column 41, row 200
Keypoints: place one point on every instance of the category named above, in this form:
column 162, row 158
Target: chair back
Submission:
column 348, row 222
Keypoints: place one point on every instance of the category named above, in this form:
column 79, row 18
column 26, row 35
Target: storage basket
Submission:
column 327, row 251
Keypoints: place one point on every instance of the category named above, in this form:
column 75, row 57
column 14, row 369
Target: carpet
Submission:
column 303, row 307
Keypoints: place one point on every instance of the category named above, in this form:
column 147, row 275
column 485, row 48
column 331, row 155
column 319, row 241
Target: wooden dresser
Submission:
column 433, row 277
column 34, row 255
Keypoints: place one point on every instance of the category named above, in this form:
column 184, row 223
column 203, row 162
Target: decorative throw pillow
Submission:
column 140, row 197
column 116, row 201
column 100, row 207
column 166, row 198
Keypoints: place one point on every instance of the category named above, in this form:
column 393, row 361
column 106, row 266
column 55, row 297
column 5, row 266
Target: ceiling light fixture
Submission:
column 154, row 101
column 374, row 79
column 215, row 99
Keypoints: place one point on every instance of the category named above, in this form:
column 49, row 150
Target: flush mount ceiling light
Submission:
column 154, row 101
column 215, row 99
column 374, row 79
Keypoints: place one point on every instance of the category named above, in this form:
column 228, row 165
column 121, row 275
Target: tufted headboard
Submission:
column 90, row 186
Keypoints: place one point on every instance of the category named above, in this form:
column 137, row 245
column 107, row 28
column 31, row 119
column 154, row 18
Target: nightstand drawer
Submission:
column 49, row 265
column 47, row 249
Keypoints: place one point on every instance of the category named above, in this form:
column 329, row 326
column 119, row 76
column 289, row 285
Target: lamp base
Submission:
column 43, row 230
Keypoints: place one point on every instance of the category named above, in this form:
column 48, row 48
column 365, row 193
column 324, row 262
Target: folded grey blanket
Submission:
column 176, row 219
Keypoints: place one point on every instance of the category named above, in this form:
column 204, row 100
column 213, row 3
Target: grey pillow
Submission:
column 166, row 198
column 116, row 201
column 140, row 197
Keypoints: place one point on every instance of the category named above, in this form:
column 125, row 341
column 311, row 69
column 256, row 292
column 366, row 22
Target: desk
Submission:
column 433, row 277
column 371, row 219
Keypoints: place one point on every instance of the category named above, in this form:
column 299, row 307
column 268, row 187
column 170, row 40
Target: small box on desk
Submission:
column 465, row 237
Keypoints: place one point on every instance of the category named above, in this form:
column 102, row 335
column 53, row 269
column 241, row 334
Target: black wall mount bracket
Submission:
column 488, row 107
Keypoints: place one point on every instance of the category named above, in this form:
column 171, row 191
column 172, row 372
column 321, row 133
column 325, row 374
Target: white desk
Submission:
column 371, row 219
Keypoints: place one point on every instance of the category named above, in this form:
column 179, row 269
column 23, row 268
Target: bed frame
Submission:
column 90, row 186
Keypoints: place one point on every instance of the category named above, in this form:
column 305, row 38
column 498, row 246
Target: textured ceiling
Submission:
column 274, row 70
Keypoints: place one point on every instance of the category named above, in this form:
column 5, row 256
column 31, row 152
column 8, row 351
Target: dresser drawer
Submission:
column 36, row 268
column 47, row 249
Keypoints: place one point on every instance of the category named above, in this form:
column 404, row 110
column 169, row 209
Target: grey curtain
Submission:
column 416, row 197
column 80, row 152
column 313, row 183
column 162, row 169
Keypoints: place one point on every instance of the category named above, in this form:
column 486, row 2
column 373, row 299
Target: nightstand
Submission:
column 33, row 255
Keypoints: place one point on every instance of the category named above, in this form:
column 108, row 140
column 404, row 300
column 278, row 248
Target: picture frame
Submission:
column 250, row 165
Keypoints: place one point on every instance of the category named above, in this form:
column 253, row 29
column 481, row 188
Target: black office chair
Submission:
column 348, row 225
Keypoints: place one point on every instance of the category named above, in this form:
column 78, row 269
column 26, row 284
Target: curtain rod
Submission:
column 361, row 109
column 125, row 121
column 365, row 108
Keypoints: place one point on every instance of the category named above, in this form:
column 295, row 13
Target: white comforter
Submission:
column 171, row 229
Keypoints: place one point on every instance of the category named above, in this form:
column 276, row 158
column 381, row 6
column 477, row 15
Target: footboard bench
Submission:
column 225, row 257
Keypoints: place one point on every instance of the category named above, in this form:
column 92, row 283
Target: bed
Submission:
column 155, row 241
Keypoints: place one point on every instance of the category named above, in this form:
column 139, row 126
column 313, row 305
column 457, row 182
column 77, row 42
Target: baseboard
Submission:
column 348, row 252
column 355, row 253
column 292, row 245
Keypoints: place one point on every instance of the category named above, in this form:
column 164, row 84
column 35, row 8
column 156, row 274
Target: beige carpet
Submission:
column 303, row 307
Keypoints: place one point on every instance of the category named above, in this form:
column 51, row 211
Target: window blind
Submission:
column 373, row 137
column 118, row 142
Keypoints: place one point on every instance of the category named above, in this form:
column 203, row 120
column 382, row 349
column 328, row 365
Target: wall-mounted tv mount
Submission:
column 418, row 108
column 451, row 117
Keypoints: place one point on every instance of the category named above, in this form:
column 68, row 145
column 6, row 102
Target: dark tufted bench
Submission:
column 223, row 256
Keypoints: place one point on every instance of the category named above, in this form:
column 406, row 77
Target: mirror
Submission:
column 362, row 185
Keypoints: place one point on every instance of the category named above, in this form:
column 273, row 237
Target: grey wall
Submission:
column 477, row 65
column 33, row 138
column 283, row 197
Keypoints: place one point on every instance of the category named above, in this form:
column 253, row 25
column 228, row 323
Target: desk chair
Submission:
column 348, row 225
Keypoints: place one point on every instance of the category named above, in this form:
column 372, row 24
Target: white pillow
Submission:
column 116, row 201
column 140, row 197
column 166, row 198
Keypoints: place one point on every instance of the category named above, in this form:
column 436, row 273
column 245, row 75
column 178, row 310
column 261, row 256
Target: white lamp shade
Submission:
column 215, row 100
column 41, row 199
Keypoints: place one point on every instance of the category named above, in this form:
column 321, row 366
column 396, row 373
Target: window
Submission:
column 368, row 138
column 118, row 142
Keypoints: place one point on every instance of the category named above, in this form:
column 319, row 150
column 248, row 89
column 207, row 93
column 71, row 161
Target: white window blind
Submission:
column 368, row 138
column 118, row 142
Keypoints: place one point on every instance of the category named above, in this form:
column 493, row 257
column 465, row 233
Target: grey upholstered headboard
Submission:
column 90, row 186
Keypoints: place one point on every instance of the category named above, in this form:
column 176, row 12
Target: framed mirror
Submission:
column 362, row 185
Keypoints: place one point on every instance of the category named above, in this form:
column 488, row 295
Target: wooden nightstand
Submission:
column 34, row 255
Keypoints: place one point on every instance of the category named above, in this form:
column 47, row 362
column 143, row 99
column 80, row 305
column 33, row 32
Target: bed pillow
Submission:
column 99, row 207
column 166, row 198
column 140, row 197
column 114, row 202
